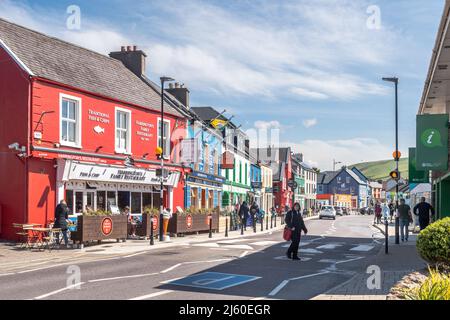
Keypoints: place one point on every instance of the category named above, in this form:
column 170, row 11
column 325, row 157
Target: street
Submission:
column 250, row 267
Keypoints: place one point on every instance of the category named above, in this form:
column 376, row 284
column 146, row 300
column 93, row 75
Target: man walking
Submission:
column 61, row 218
column 404, row 215
column 295, row 222
column 423, row 209
column 243, row 214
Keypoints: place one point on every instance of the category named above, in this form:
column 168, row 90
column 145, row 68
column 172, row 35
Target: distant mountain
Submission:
column 379, row 170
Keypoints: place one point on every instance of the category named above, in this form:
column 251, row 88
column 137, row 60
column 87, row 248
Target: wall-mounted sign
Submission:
column 227, row 160
column 98, row 129
column 189, row 221
column 432, row 142
column 155, row 223
column 37, row 135
column 107, row 226
column 416, row 176
column 189, row 151
column 98, row 116
column 87, row 172
column 144, row 130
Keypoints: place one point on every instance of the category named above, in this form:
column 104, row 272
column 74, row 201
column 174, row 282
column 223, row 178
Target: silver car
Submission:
column 327, row 212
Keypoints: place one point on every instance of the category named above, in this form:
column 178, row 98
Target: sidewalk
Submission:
column 14, row 260
column 401, row 260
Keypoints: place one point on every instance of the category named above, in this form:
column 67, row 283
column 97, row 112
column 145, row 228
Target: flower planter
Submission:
column 98, row 228
column 195, row 222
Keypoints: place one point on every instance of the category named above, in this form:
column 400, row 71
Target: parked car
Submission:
column 327, row 212
column 364, row 210
column 339, row 211
column 345, row 211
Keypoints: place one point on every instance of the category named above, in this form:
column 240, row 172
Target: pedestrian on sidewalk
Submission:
column 61, row 221
column 405, row 217
column 378, row 211
column 243, row 214
column 254, row 212
column 391, row 210
column 386, row 210
column 294, row 221
column 423, row 210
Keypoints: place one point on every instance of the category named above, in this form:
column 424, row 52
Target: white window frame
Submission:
column 78, row 112
column 167, row 151
column 128, row 149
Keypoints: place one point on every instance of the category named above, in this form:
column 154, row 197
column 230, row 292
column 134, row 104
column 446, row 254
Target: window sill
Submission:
column 71, row 145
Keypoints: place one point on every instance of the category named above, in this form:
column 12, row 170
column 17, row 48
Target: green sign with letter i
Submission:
column 432, row 142
column 416, row 176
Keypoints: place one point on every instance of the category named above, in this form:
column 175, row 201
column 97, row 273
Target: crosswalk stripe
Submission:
column 362, row 247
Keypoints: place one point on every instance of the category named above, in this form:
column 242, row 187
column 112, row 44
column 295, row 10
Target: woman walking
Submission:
column 294, row 221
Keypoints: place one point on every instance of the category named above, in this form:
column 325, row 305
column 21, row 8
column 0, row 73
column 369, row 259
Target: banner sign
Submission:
column 88, row 172
column 416, row 176
column 432, row 142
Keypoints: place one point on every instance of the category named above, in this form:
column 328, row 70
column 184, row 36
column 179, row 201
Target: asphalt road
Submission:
column 245, row 268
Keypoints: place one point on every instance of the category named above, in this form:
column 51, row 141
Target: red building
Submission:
column 80, row 126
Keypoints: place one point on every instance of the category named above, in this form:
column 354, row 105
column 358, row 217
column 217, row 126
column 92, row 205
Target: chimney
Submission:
column 132, row 58
column 180, row 93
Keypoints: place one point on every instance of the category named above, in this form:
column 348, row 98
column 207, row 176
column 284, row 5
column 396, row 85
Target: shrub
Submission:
column 433, row 243
column 435, row 287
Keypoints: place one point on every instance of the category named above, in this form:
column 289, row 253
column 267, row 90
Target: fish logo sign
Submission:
column 431, row 138
column 99, row 129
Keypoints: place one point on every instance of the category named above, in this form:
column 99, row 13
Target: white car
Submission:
column 327, row 212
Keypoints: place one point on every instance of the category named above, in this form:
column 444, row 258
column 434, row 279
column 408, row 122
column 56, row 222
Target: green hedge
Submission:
column 433, row 243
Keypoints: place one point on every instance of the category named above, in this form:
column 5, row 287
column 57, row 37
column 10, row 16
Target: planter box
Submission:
column 143, row 229
column 97, row 228
column 180, row 224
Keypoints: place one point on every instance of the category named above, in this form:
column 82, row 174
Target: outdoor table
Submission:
column 26, row 236
column 40, row 237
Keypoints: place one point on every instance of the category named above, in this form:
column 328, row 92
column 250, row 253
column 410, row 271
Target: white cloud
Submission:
column 265, row 125
column 349, row 151
column 308, row 123
column 297, row 48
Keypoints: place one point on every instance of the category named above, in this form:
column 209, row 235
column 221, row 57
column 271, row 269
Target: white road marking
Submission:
column 6, row 274
column 125, row 277
column 210, row 245
column 285, row 282
column 134, row 254
column 312, row 251
column 238, row 246
column 259, row 298
column 329, row 246
column 328, row 261
column 152, row 295
column 59, row 290
column 264, row 243
column 219, row 249
column 171, row 268
column 302, row 244
column 349, row 260
column 243, row 254
column 231, row 241
column 362, row 247
column 286, row 258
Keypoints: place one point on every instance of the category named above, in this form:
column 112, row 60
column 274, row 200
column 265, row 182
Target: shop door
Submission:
column 90, row 200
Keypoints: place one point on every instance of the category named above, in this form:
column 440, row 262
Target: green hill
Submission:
column 379, row 170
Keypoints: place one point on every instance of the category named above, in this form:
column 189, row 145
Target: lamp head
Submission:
column 392, row 79
column 166, row 79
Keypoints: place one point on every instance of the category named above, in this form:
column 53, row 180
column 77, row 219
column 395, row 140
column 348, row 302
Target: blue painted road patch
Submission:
column 213, row 280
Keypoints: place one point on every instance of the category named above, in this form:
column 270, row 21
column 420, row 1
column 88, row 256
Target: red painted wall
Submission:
column 14, row 95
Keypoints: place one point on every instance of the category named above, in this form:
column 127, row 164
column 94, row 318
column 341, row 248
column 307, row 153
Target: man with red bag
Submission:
column 294, row 221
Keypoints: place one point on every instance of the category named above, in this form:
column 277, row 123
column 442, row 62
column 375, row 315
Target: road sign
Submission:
column 397, row 155
column 292, row 184
column 189, row 221
column 213, row 280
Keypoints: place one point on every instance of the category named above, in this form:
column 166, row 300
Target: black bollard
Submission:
column 271, row 221
column 262, row 223
column 210, row 226
column 267, row 222
column 386, row 236
column 152, row 241
column 242, row 227
column 254, row 223
column 226, row 226
column 275, row 220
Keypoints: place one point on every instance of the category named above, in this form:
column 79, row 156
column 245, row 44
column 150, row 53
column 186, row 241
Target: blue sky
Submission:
column 311, row 69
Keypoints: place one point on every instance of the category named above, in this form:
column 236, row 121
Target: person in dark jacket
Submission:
column 254, row 212
column 61, row 217
column 294, row 221
column 243, row 214
column 423, row 210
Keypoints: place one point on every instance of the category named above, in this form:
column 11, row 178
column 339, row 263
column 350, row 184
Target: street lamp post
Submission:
column 397, row 222
column 161, row 193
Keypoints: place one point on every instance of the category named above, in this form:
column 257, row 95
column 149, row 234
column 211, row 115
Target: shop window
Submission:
column 166, row 137
column 123, row 199
column 70, row 126
column 194, row 197
column 123, row 131
column 69, row 200
column 146, row 199
column 136, row 198
column 211, row 199
column 111, row 199
column 101, row 200
column 78, row 202
column 156, row 199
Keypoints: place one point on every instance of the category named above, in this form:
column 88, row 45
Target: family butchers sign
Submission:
column 86, row 172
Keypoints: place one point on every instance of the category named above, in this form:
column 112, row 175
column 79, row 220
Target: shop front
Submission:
column 93, row 187
column 203, row 191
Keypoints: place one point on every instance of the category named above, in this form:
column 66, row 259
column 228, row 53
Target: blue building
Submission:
column 344, row 182
column 256, row 183
column 202, row 151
